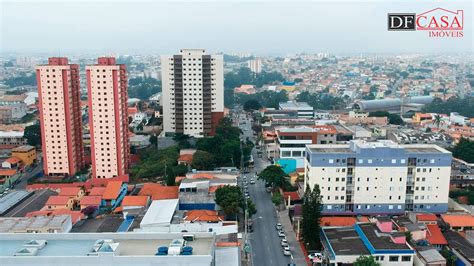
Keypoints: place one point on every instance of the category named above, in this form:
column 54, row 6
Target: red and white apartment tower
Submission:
column 60, row 114
column 108, row 119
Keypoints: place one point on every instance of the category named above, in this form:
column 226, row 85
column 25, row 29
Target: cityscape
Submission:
column 207, row 151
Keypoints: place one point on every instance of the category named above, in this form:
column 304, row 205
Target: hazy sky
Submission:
column 261, row 27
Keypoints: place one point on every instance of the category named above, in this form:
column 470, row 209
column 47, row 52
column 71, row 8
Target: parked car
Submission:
column 278, row 226
column 252, row 181
column 286, row 251
column 269, row 189
column 284, row 242
column 318, row 256
column 281, row 233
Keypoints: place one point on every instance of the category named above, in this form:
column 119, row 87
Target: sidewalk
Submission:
column 297, row 253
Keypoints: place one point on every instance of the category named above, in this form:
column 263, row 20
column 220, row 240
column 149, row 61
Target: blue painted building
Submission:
column 379, row 177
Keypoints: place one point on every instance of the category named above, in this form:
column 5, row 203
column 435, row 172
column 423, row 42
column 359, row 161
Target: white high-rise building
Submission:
column 193, row 92
column 255, row 65
column 379, row 177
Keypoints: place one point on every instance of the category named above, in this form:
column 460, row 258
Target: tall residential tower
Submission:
column 108, row 121
column 60, row 114
column 193, row 92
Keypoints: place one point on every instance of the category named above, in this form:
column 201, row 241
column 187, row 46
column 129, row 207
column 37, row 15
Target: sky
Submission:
column 259, row 27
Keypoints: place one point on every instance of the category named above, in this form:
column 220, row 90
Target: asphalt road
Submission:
column 27, row 175
column 265, row 242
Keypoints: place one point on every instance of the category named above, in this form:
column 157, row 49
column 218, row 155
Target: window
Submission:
column 369, row 161
column 406, row 258
column 331, row 161
column 393, row 258
column 390, row 207
column 394, row 161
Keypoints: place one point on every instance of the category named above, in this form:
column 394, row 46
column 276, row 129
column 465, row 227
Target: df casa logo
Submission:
column 439, row 22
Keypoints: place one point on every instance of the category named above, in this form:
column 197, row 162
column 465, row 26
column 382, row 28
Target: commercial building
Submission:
column 255, row 65
column 12, row 108
column 60, row 115
column 108, row 119
column 26, row 153
column 193, row 92
column 304, row 109
column 105, row 249
column 379, row 177
column 343, row 245
column 292, row 141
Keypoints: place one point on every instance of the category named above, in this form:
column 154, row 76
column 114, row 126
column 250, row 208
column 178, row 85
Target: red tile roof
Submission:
column 203, row 216
column 97, row 191
column 202, row 175
column 338, row 221
column 227, row 244
column 91, row 200
column 434, row 235
column 292, row 194
column 69, row 191
column 459, row 220
column 179, row 178
column 135, row 201
column 426, row 217
column 7, row 172
column 57, row 200
column 12, row 160
column 159, row 192
column 187, row 158
column 112, row 190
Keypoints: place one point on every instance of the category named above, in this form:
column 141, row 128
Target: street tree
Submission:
column 252, row 105
column 32, row 134
column 230, row 199
column 311, row 218
column 251, row 208
column 274, row 175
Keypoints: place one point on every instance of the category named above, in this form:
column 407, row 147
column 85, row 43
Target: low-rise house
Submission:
column 417, row 230
column 114, row 192
column 460, row 247
column 206, row 216
column 426, row 218
column 159, row 192
column 94, row 201
column 76, row 193
column 435, row 237
column 429, row 257
column 11, row 163
column 59, row 202
column 459, row 222
column 134, row 202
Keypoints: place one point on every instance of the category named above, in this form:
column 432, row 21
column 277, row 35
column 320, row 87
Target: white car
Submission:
column 286, row 251
column 281, row 234
column 284, row 242
column 278, row 226
column 315, row 257
column 252, row 181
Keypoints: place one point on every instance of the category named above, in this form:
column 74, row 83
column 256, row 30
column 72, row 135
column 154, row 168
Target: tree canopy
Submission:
column 252, row 105
column 393, row 119
column 230, row 199
column 464, row 150
column 21, row 80
column 243, row 76
column 203, row 160
column 464, row 106
column 269, row 99
column 322, row 101
column 366, row 261
column 311, row 218
column 143, row 88
column 274, row 175
column 32, row 134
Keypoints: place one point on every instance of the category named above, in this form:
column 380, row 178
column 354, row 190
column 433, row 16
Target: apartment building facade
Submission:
column 292, row 141
column 379, row 177
column 108, row 120
column 193, row 92
column 60, row 117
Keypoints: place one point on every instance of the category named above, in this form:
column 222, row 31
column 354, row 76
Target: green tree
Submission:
column 437, row 120
column 251, row 208
column 252, row 105
column 464, row 150
column 32, row 134
column 277, row 198
column 311, row 218
column 274, row 175
column 143, row 88
column 230, row 199
column 366, row 261
column 203, row 160
column 463, row 106
column 322, row 101
column 182, row 140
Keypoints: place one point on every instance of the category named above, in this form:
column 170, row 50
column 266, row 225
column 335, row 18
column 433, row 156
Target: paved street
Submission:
column 265, row 242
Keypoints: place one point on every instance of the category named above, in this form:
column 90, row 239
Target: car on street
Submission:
column 286, row 251
column 318, row 256
column 278, row 226
column 252, row 181
column 284, row 242
column 247, row 197
column 269, row 189
column 281, row 233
